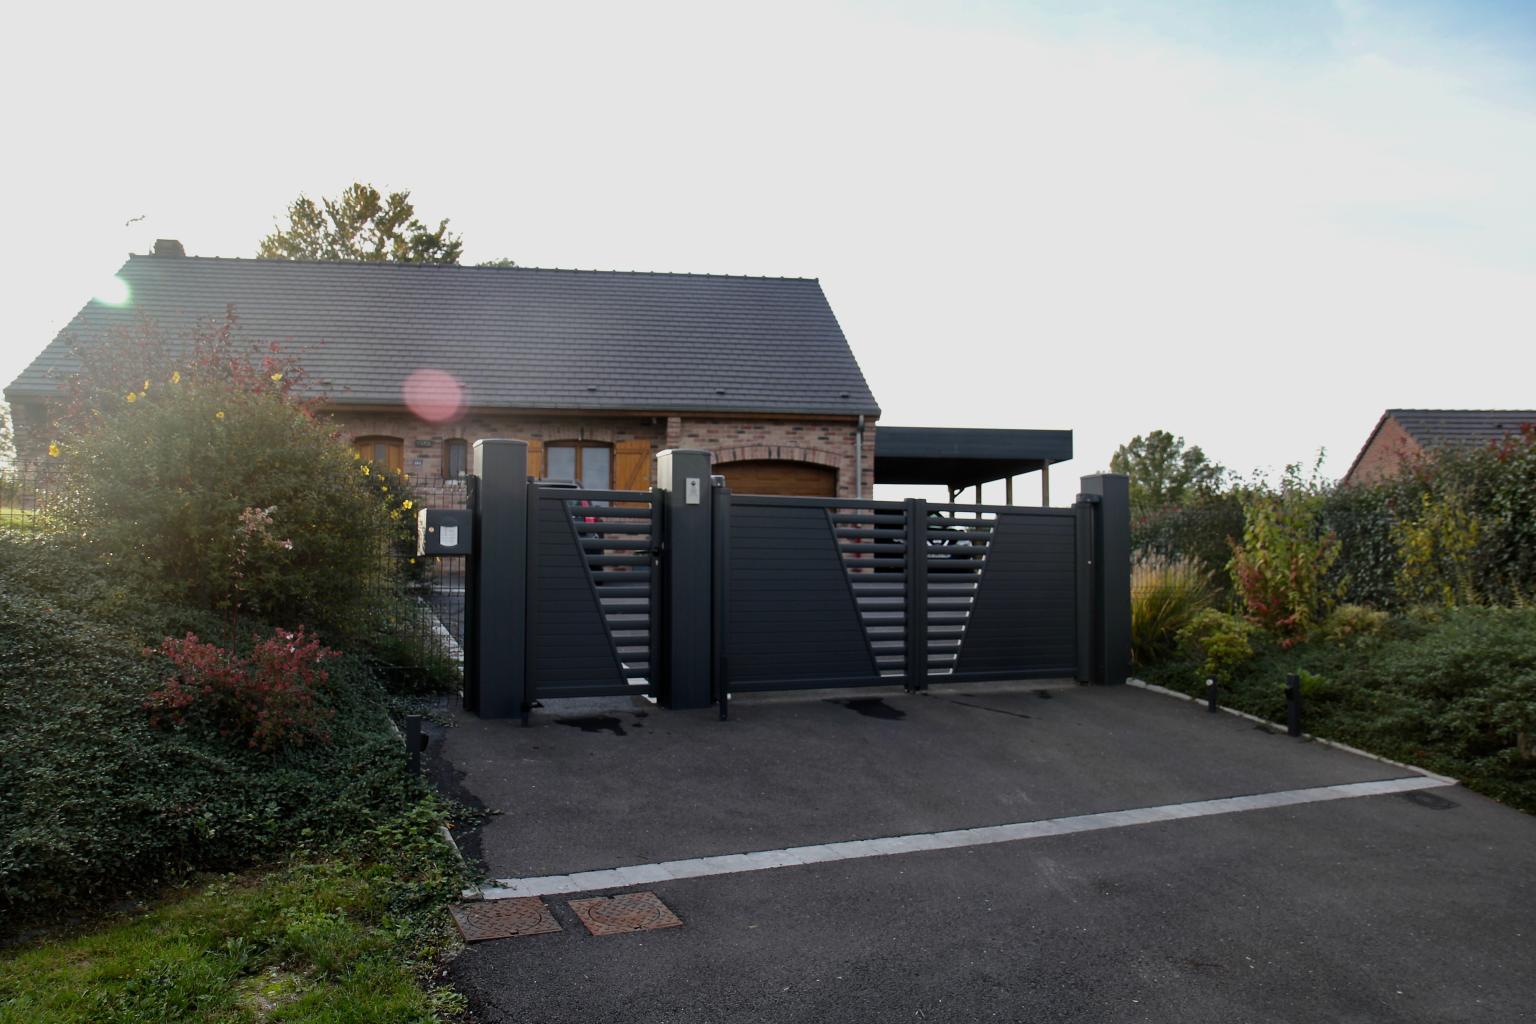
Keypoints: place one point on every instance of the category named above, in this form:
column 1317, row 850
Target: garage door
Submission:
column 773, row 476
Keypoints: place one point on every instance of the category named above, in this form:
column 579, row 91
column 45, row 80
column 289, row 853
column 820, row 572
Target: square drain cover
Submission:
column 626, row 912
column 502, row 919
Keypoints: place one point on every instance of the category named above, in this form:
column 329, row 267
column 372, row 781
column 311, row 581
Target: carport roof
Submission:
column 964, row 456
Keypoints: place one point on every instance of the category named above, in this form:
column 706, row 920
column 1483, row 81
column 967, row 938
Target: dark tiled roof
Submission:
column 1435, row 428
column 516, row 337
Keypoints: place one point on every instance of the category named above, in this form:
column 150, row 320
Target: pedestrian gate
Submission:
column 688, row 593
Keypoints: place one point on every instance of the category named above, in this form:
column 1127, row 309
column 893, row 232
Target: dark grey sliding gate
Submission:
column 689, row 593
column 1002, row 601
column 815, row 592
column 824, row 592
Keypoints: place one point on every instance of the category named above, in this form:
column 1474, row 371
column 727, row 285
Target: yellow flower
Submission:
column 395, row 514
column 413, row 561
column 219, row 415
column 53, row 449
column 406, row 504
column 130, row 397
column 145, row 387
column 276, row 377
column 356, row 456
column 365, row 471
column 175, row 376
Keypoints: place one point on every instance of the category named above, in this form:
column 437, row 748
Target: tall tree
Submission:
column 360, row 224
column 1164, row 471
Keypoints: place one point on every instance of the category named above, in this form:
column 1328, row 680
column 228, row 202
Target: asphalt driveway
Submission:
column 1414, row 906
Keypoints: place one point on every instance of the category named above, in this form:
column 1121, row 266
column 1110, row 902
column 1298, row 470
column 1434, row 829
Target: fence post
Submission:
column 500, row 627
column 471, row 620
column 682, row 474
column 917, row 594
column 720, row 611
column 1110, row 553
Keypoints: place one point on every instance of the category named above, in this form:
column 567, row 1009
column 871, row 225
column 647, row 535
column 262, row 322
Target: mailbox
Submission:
column 444, row 531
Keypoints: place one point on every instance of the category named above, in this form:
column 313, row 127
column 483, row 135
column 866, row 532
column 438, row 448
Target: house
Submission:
column 1402, row 435
column 597, row 370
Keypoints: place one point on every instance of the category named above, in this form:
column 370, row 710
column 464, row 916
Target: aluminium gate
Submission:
column 592, row 593
column 822, row 592
column 689, row 593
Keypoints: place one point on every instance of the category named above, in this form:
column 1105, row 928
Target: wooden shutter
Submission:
column 536, row 459
column 632, row 465
column 396, row 453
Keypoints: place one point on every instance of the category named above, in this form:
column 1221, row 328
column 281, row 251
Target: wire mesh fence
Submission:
column 25, row 487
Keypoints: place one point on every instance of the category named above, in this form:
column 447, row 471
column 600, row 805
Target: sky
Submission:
column 1256, row 225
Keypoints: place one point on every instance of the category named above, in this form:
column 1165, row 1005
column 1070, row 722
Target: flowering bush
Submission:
column 198, row 469
column 267, row 699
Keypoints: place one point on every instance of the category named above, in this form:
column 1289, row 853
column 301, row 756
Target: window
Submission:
column 587, row 463
column 387, row 452
column 455, row 458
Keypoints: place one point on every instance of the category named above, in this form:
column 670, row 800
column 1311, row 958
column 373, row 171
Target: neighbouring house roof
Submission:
column 964, row 456
column 1440, row 428
column 520, row 338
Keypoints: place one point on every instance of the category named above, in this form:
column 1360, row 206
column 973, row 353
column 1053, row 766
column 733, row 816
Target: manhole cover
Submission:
column 627, row 912
column 502, row 919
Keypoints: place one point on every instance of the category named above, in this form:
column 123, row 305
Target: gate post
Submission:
column 916, row 603
column 500, row 627
column 1109, row 641
column 682, row 475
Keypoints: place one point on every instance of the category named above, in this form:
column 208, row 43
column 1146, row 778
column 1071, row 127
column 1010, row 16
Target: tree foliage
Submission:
column 360, row 224
column 1164, row 471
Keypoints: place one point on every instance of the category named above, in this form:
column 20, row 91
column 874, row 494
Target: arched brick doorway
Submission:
column 779, row 476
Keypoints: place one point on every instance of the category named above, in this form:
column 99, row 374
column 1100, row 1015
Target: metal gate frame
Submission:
column 692, row 590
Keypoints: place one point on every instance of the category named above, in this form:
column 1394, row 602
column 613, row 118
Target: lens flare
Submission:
column 114, row 291
column 434, row 395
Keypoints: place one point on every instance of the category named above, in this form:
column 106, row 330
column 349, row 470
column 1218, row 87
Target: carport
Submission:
column 961, row 457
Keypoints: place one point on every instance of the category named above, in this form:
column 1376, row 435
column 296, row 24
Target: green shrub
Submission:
column 96, row 799
column 1438, row 551
column 1468, row 679
column 206, row 481
column 1220, row 642
column 1364, row 519
column 1281, row 570
column 1351, row 622
column 1203, row 530
column 1165, row 595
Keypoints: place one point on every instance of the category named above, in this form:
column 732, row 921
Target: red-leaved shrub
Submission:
column 267, row 699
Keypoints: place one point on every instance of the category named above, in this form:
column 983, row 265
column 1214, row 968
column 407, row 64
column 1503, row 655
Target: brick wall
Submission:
column 1384, row 454
column 822, row 442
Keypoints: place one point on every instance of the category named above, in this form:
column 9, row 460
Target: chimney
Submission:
column 168, row 247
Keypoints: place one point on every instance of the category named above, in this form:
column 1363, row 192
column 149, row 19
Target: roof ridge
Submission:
column 460, row 266
column 1520, row 411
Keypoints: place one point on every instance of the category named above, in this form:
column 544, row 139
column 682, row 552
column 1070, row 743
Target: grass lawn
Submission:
column 23, row 520
column 335, row 939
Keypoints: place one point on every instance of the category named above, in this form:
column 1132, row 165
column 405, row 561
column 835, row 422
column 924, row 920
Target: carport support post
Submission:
column 687, row 582
column 916, row 603
column 1109, row 578
column 501, row 563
